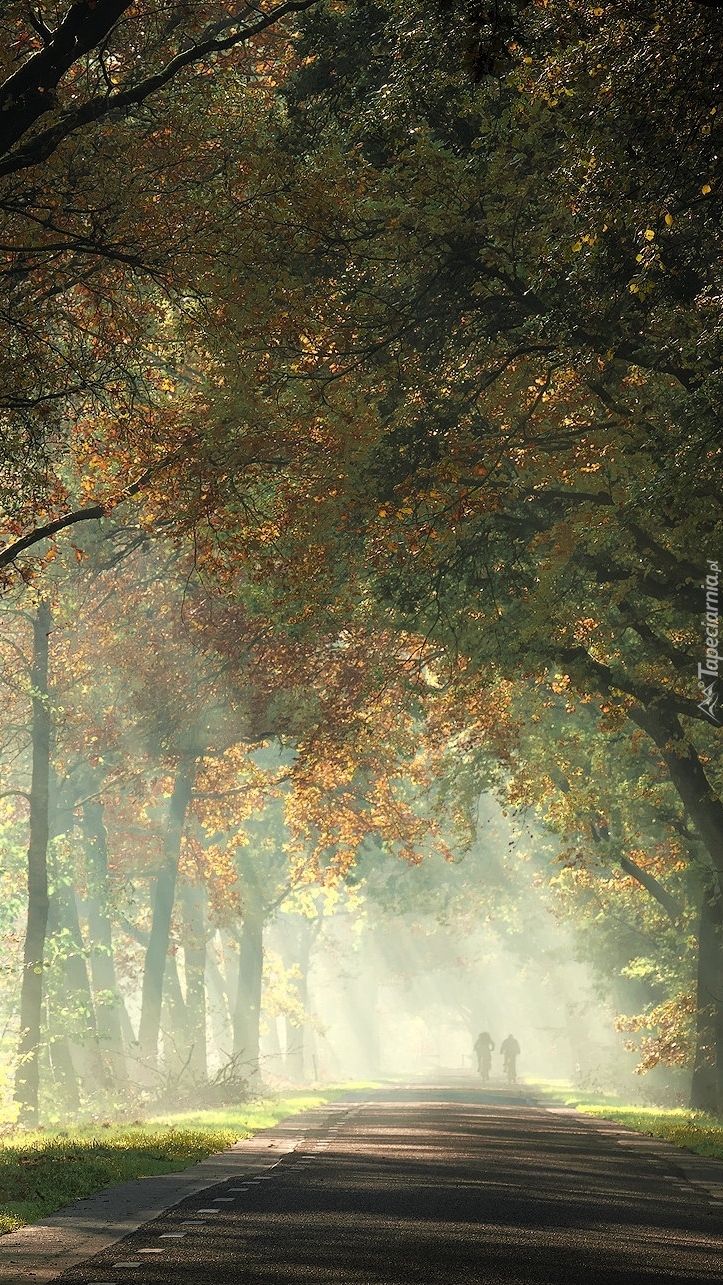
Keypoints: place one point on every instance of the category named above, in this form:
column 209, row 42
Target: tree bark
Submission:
column 174, row 1032
column 155, row 960
column 65, row 1079
column 31, row 994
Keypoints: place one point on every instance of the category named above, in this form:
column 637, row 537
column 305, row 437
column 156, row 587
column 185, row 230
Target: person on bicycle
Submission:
column 483, row 1047
column 510, row 1051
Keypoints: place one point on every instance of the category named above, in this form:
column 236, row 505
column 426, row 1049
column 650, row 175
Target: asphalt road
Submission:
column 437, row 1186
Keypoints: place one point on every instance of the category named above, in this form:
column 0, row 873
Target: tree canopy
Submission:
column 370, row 357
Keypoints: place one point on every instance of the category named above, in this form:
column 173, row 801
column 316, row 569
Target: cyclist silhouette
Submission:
column 510, row 1051
column 483, row 1047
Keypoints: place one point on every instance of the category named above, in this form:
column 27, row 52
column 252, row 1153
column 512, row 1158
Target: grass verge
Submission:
column 688, row 1129
column 45, row 1171
column 691, row 1130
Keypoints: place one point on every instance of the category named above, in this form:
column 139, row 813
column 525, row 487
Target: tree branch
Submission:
column 93, row 511
column 671, row 907
column 42, row 146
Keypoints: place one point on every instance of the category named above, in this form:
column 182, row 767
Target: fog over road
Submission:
column 446, row 1184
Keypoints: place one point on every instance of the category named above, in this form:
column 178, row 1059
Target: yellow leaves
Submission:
column 649, row 234
column 669, row 220
column 706, row 188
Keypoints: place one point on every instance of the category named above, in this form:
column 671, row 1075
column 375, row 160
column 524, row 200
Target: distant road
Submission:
column 438, row 1185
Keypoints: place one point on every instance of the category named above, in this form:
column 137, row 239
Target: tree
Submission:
column 31, row 997
column 519, row 300
column 112, row 174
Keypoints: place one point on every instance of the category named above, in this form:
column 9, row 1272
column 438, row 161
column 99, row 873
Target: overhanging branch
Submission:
column 42, row 145
column 93, row 511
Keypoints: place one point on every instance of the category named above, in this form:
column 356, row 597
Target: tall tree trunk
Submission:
column 155, row 960
column 363, row 992
column 298, row 951
column 70, row 1000
column 65, row 1079
column 688, row 775
column 174, row 1028
column 705, row 809
column 247, row 1009
column 194, row 955
column 220, row 1003
column 31, row 994
column 108, row 1000
column 706, row 1086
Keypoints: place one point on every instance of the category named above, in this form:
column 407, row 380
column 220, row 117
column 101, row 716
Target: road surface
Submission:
column 438, row 1186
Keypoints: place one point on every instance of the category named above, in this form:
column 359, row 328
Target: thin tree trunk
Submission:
column 155, row 961
column 108, row 1000
column 194, row 955
column 62, row 1068
column 688, row 775
column 31, row 994
column 219, row 1008
column 174, row 1031
column 70, row 1000
column 298, row 951
column 247, row 1010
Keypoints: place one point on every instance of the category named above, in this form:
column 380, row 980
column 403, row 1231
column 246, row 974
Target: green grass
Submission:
column 690, row 1130
column 45, row 1171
